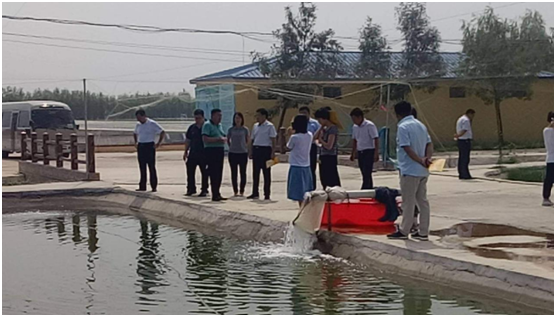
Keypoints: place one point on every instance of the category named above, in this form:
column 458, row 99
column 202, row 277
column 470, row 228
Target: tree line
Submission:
column 101, row 106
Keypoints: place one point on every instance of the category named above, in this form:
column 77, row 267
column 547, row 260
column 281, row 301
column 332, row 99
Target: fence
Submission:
column 58, row 143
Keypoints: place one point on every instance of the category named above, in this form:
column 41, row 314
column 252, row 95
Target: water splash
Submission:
column 298, row 240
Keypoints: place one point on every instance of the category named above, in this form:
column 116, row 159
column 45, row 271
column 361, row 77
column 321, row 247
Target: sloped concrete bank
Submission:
column 496, row 283
column 205, row 219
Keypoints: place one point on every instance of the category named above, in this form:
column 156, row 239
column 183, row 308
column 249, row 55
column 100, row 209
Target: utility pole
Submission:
column 387, row 139
column 86, row 118
column 243, row 49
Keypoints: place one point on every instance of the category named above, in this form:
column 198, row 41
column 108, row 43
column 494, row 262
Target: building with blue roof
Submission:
column 245, row 89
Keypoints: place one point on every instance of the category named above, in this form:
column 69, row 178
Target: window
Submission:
column 6, row 119
column 23, row 121
column 52, row 118
column 457, row 92
column 332, row 92
column 266, row 95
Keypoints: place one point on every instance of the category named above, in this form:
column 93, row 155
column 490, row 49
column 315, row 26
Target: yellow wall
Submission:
column 523, row 120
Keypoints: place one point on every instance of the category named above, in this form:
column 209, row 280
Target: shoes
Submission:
column 420, row 237
column 397, row 236
column 154, row 190
column 203, row 194
column 219, row 198
column 140, row 190
column 253, row 196
column 241, row 194
column 547, row 203
column 266, row 197
column 414, row 230
column 190, row 193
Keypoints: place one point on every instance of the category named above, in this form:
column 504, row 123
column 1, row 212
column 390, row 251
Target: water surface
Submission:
column 91, row 263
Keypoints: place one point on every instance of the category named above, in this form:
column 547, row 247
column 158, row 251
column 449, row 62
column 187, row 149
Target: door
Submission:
column 6, row 131
column 13, row 129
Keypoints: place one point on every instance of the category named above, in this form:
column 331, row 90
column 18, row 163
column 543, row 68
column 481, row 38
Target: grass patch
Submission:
column 488, row 146
column 526, row 174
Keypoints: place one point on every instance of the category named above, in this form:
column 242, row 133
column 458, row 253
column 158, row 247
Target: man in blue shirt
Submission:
column 414, row 150
column 312, row 126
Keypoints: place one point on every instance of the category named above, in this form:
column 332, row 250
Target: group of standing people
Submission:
column 204, row 149
column 315, row 141
column 311, row 142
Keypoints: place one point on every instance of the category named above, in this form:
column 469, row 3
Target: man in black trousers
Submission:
column 365, row 147
column 263, row 144
column 464, row 137
column 144, row 137
column 194, row 155
column 214, row 139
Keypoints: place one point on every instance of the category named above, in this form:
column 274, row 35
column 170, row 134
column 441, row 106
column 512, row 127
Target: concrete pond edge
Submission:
column 475, row 278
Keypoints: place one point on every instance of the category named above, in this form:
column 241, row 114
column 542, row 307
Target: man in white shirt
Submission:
column 144, row 137
column 365, row 146
column 262, row 148
column 464, row 137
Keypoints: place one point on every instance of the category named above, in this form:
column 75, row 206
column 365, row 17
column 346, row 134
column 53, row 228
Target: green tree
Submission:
column 420, row 55
column 302, row 54
column 375, row 60
column 504, row 57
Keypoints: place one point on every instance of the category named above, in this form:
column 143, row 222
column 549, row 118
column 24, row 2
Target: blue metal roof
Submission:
column 348, row 64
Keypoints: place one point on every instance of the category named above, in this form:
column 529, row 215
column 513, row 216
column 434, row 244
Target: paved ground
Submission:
column 9, row 167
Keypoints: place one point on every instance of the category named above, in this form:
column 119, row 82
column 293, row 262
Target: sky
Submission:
column 180, row 57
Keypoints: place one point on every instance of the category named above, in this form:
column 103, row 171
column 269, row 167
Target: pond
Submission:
column 95, row 263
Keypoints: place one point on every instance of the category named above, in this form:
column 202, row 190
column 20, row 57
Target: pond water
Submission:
column 94, row 263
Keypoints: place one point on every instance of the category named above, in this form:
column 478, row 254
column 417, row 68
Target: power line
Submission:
column 123, row 52
column 141, row 28
column 477, row 11
column 146, row 81
column 154, row 71
column 16, row 13
column 464, row 14
column 38, row 81
column 128, row 44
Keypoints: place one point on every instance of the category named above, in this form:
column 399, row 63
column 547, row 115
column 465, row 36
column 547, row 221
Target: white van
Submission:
column 38, row 116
